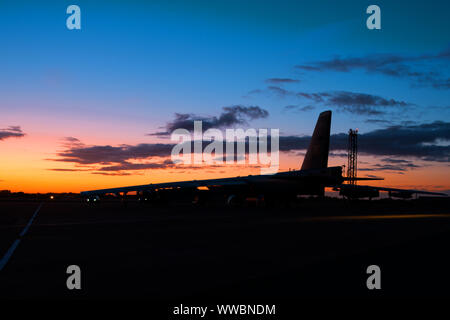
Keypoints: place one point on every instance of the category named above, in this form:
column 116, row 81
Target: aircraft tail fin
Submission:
column 317, row 155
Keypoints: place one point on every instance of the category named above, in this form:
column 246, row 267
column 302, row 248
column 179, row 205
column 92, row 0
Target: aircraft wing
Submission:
column 410, row 191
column 179, row 184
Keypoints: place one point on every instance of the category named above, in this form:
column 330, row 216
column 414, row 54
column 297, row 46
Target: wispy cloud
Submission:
column 11, row 132
column 298, row 108
column 65, row 170
column 344, row 101
column 379, row 121
column 355, row 102
column 282, row 80
column 421, row 70
column 280, row 92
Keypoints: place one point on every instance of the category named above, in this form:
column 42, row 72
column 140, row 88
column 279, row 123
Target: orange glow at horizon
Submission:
column 26, row 163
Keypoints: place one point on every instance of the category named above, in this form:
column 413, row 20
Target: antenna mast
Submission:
column 352, row 166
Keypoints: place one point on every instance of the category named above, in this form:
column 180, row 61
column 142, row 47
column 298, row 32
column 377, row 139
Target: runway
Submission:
column 204, row 253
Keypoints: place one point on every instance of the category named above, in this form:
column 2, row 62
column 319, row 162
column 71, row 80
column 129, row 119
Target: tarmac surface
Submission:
column 317, row 248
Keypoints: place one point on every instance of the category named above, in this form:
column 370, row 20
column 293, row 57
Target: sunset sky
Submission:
column 92, row 108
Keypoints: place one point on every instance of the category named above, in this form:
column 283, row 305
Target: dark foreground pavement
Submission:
column 210, row 253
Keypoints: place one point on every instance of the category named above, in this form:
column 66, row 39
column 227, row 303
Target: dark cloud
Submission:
column 71, row 139
column 443, row 84
column 15, row 129
column 408, row 123
column 419, row 141
column 108, row 160
column 344, row 101
column 115, row 173
column 85, row 155
column 379, row 121
column 415, row 68
column 252, row 92
column 282, row 80
column 138, row 166
column 272, row 90
column 159, row 134
column 388, row 123
column 371, row 63
column 373, row 176
column 344, row 98
column 390, row 167
column 65, row 170
column 230, row 117
column 392, row 160
column 279, row 91
column 11, row 132
column 317, row 97
column 355, row 102
column 297, row 108
column 397, row 169
column 426, row 142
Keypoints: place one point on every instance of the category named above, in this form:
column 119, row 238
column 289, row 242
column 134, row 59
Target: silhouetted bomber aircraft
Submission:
column 312, row 179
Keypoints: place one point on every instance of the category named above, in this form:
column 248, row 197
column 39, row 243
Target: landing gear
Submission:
column 145, row 197
column 93, row 200
column 234, row 201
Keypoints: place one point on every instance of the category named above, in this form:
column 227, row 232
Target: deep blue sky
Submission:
column 198, row 56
